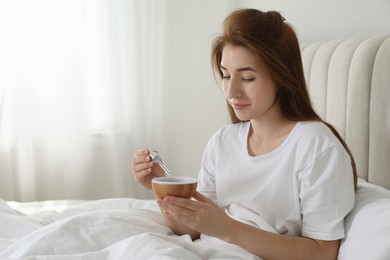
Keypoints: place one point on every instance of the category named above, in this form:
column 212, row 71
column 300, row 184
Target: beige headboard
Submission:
column 349, row 83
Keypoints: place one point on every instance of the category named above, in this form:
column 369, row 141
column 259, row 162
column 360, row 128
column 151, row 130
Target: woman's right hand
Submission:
column 144, row 170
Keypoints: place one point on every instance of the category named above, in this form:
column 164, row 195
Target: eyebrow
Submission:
column 240, row 69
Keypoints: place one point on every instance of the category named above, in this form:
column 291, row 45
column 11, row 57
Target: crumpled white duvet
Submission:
column 134, row 229
column 104, row 229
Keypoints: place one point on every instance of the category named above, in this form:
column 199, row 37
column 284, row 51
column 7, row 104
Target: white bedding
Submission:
column 104, row 229
column 134, row 229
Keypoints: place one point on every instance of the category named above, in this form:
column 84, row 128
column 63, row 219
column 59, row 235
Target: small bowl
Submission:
column 183, row 187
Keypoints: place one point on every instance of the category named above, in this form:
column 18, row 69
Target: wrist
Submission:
column 232, row 232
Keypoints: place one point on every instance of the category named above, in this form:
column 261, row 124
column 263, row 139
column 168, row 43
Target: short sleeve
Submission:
column 326, row 194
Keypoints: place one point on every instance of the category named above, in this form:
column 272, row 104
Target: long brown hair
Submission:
column 271, row 39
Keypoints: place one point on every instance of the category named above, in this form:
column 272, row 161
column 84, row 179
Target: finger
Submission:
column 141, row 158
column 160, row 203
column 181, row 202
column 142, row 174
column 176, row 211
column 142, row 152
column 163, row 205
column 141, row 167
column 199, row 197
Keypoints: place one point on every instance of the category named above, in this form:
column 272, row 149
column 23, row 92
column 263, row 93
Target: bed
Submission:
column 349, row 84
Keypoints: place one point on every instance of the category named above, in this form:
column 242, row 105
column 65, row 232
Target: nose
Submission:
column 232, row 88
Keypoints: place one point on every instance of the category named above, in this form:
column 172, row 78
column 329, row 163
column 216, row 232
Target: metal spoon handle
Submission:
column 157, row 159
column 167, row 172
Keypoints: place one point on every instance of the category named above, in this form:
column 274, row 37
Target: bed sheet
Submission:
column 103, row 229
column 126, row 228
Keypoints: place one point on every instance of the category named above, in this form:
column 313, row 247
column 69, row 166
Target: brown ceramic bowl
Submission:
column 183, row 187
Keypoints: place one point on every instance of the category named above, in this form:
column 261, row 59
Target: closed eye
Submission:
column 248, row 79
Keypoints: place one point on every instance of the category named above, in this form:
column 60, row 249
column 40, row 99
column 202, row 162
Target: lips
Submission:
column 238, row 106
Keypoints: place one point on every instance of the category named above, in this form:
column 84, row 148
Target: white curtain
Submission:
column 80, row 84
column 86, row 83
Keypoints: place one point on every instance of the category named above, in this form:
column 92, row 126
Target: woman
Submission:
column 277, row 163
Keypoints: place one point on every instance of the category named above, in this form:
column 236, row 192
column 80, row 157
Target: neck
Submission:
column 265, row 135
column 265, row 130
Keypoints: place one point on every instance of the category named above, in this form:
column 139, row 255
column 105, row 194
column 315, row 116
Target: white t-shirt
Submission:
column 303, row 187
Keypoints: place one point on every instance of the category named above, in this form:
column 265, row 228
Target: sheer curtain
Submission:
column 80, row 92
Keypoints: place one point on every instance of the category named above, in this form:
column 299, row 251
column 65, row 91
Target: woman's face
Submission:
column 247, row 84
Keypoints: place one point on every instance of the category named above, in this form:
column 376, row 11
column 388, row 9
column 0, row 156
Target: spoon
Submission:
column 157, row 159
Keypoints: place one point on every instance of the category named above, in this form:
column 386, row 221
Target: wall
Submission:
column 199, row 109
column 331, row 19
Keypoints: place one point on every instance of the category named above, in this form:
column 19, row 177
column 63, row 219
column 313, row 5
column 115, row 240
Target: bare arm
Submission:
column 274, row 246
column 206, row 217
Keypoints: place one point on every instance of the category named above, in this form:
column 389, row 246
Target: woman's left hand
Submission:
column 201, row 214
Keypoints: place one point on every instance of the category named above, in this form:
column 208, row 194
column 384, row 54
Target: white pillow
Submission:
column 368, row 225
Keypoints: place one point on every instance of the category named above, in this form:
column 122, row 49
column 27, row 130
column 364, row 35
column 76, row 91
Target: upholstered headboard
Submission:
column 349, row 83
